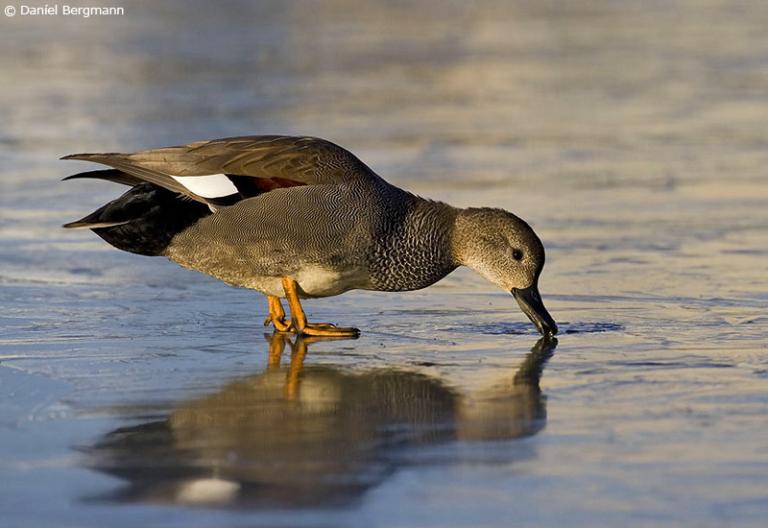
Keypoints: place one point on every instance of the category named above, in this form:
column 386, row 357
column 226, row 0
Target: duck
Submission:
column 300, row 218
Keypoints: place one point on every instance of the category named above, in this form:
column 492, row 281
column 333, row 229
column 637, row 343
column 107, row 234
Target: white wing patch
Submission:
column 211, row 186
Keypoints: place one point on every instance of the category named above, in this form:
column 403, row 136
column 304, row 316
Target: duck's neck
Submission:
column 417, row 250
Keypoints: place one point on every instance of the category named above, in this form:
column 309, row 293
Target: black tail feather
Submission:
column 143, row 220
column 92, row 223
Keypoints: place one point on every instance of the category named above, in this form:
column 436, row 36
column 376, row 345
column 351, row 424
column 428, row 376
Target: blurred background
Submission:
column 631, row 135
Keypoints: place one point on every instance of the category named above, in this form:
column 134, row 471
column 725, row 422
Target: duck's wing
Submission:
column 224, row 171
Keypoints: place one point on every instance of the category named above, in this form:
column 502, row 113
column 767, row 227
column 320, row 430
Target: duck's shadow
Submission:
column 311, row 436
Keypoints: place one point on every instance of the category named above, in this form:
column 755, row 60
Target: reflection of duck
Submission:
column 309, row 436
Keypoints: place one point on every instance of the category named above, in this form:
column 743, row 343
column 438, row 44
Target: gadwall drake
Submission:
column 301, row 217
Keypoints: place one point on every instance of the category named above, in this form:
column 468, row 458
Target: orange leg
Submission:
column 299, row 319
column 277, row 315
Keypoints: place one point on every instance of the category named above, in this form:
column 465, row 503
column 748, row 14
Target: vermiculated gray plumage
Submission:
column 374, row 235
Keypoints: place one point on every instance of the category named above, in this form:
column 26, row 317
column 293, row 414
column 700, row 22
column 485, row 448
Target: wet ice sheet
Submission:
column 633, row 139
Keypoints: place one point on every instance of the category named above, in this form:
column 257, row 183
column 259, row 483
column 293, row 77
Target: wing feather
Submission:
column 271, row 161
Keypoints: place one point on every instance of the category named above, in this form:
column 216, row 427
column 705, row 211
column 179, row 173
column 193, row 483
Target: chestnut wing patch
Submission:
column 249, row 186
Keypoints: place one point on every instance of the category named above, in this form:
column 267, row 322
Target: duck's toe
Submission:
column 328, row 330
column 277, row 316
column 280, row 324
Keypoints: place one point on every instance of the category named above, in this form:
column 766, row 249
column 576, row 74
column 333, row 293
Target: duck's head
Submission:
column 504, row 249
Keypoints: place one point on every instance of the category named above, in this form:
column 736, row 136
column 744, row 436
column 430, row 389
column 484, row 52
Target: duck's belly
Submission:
column 313, row 281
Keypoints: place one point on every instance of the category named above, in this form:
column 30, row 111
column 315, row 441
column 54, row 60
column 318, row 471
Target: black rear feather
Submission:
column 144, row 219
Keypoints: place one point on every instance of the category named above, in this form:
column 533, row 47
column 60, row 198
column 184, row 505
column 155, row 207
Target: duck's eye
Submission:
column 517, row 254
